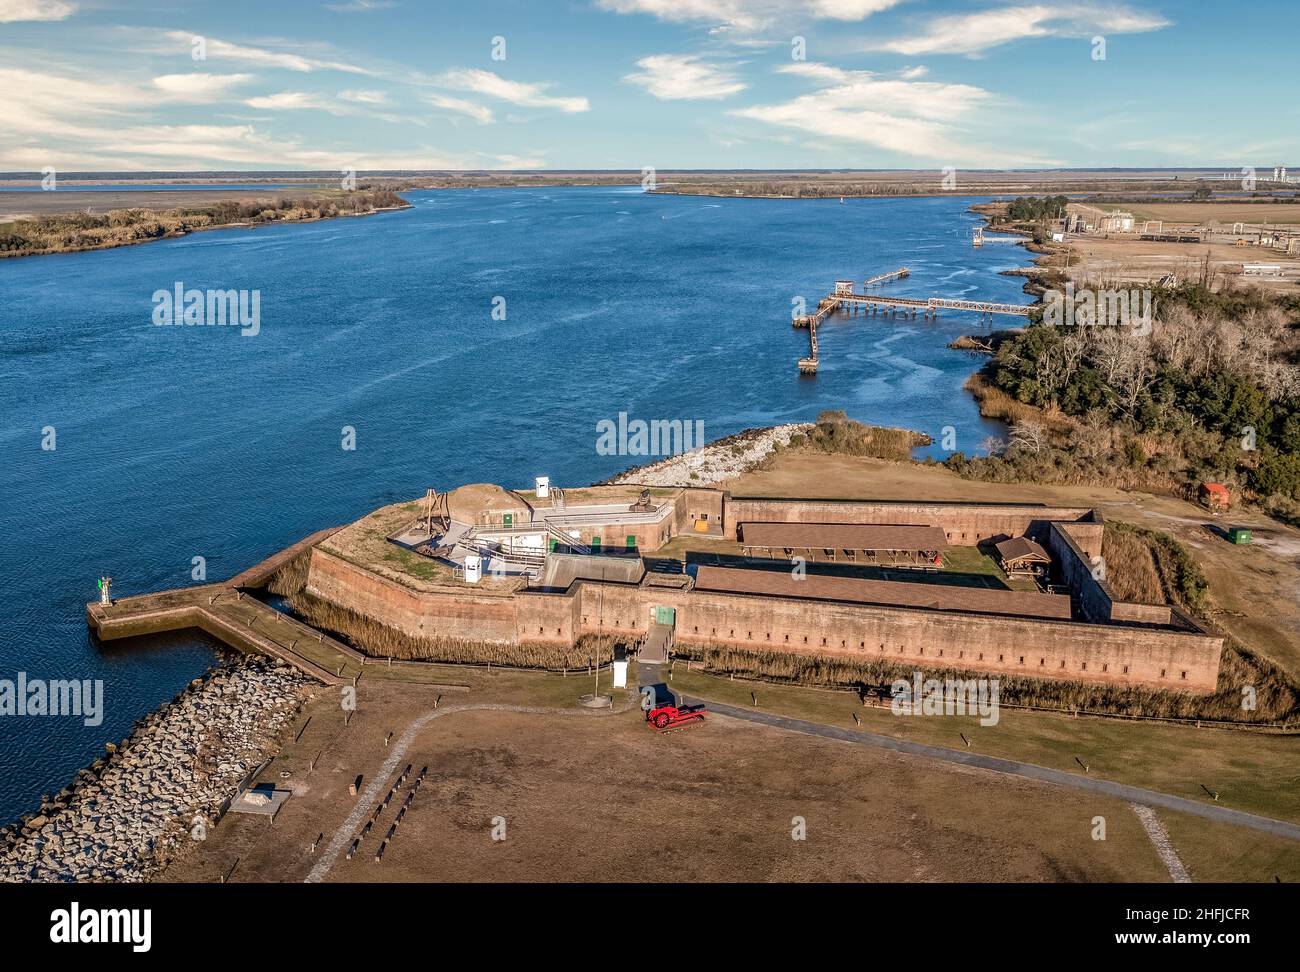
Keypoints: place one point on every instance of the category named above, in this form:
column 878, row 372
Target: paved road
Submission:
column 1029, row 771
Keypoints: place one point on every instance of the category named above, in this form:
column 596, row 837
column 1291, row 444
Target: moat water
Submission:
column 174, row 443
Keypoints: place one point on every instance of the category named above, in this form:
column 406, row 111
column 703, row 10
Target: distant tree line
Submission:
column 67, row 232
column 1213, row 392
column 1033, row 209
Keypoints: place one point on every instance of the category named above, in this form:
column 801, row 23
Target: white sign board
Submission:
column 620, row 674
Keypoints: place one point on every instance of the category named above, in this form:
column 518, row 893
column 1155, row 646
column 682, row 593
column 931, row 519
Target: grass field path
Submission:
column 1029, row 771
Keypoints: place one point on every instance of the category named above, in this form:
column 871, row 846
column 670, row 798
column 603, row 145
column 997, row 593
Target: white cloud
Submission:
column 220, row 50
column 285, row 100
column 360, row 6
column 291, row 101
column 461, row 106
column 13, row 11
column 199, row 87
column 921, row 119
column 972, row 33
column 96, row 122
column 749, row 15
column 365, row 97
column 516, row 92
column 679, row 77
column 850, row 9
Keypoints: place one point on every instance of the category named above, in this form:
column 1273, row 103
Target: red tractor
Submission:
column 666, row 717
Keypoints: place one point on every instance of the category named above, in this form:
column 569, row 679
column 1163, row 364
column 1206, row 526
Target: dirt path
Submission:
column 378, row 781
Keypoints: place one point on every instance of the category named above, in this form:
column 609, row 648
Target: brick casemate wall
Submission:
column 1059, row 650
column 1048, row 649
column 964, row 524
column 471, row 615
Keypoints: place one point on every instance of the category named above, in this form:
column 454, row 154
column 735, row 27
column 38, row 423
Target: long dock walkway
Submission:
column 929, row 307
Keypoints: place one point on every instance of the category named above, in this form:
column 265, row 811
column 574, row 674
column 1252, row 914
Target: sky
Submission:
column 634, row 84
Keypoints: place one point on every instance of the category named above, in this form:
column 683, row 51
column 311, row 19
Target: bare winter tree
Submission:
column 1030, row 436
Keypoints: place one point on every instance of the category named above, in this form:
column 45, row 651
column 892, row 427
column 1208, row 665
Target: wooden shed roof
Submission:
column 1021, row 548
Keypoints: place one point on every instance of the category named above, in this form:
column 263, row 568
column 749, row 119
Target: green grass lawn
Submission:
column 1253, row 772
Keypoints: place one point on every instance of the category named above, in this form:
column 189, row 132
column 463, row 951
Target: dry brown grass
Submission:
column 1220, row 213
column 712, row 804
column 291, row 577
column 1131, row 567
column 997, row 404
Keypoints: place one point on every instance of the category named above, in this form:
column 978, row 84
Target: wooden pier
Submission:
column 907, row 307
column 881, row 278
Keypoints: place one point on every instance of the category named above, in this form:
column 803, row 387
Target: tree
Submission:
column 1029, row 436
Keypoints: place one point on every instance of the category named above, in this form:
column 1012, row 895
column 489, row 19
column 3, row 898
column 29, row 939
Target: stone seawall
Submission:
column 149, row 799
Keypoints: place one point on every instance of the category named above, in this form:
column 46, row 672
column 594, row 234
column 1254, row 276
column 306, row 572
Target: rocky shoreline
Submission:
column 129, row 814
column 714, row 463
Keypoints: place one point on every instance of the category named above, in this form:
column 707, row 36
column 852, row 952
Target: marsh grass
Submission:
column 1153, row 568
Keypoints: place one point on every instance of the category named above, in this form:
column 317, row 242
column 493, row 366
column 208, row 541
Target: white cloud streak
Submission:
column 749, row 15
column 524, row 94
column 986, row 29
column 680, row 77
column 921, row 119
column 460, row 106
column 16, row 11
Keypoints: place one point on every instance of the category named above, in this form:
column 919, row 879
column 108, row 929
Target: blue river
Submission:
column 130, row 449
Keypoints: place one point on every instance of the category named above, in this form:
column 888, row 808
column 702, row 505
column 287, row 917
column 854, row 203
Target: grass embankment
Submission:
column 835, row 433
column 1254, row 772
column 69, row 232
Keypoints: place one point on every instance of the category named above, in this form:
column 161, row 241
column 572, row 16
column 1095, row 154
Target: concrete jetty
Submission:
column 235, row 618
